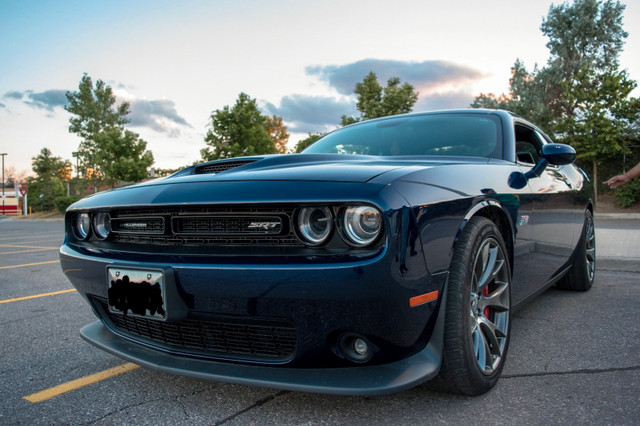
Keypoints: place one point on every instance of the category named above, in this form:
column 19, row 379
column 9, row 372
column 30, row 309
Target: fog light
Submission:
column 355, row 348
column 360, row 346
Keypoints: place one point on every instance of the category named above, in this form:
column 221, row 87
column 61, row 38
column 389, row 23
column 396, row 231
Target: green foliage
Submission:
column 237, row 131
column 94, row 109
column 62, row 202
column 629, row 194
column 46, row 166
column 122, row 155
column 51, row 173
column 375, row 101
column 107, row 152
column 301, row 145
column 580, row 96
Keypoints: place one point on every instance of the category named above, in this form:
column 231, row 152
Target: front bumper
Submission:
column 322, row 301
column 365, row 380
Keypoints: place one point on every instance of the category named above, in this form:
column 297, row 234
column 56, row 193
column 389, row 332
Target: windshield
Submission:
column 454, row 134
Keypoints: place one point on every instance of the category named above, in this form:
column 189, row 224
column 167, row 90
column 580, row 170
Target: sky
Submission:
column 177, row 62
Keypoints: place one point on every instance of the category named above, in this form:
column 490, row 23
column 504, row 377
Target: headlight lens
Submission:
column 102, row 225
column 82, row 225
column 315, row 224
column 362, row 225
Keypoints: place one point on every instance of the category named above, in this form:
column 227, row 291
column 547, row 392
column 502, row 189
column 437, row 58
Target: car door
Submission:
column 554, row 224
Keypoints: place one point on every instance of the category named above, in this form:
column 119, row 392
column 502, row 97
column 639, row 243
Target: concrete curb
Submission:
column 618, row 264
column 617, row 216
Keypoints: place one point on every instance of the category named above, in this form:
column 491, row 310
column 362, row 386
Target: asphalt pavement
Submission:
column 573, row 357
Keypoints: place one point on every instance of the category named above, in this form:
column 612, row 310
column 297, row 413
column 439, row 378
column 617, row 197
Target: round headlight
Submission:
column 102, row 225
column 82, row 225
column 362, row 225
column 315, row 224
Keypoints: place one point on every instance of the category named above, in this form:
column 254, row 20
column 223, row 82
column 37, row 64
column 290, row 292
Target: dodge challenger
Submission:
column 388, row 253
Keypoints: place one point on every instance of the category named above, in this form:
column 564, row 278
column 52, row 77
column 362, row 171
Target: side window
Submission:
column 528, row 145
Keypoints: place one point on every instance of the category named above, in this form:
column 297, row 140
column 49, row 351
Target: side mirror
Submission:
column 558, row 154
column 554, row 153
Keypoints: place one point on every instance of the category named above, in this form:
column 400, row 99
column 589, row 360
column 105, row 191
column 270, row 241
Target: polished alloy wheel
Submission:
column 590, row 241
column 489, row 310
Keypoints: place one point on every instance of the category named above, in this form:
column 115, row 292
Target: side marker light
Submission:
column 423, row 298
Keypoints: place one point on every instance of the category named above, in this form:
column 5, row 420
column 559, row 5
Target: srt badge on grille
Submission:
column 263, row 225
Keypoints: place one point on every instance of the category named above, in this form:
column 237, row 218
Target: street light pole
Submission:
column 3, row 154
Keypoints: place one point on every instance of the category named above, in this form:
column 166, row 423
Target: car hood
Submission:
column 307, row 167
column 253, row 179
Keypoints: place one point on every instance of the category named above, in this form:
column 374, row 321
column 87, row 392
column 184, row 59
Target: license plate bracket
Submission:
column 137, row 292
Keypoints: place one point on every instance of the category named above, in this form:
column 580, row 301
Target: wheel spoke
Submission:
column 491, row 266
column 491, row 333
column 497, row 300
column 481, row 348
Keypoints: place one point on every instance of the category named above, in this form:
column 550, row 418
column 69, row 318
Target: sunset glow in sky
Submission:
column 177, row 62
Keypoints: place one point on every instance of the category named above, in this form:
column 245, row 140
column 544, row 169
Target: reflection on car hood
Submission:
column 308, row 167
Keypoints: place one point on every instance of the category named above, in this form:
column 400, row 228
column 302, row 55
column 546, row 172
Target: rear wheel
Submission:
column 477, row 322
column 583, row 271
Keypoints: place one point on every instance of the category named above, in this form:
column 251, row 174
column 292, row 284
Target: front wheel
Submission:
column 477, row 316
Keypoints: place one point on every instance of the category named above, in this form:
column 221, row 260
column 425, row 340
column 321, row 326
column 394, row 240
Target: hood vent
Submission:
column 220, row 167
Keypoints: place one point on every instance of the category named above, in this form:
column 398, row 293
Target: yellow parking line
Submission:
column 17, row 299
column 30, row 250
column 23, row 238
column 29, row 264
column 23, row 246
column 80, row 383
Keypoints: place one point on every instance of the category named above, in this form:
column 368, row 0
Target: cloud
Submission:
column 2, row 105
column 444, row 100
column 159, row 115
column 14, row 95
column 424, row 76
column 47, row 100
column 310, row 114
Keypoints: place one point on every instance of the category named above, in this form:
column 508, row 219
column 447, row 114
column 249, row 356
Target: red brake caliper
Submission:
column 485, row 292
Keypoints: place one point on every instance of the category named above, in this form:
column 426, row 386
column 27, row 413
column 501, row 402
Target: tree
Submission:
column 593, row 105
column 237, row 131
column 375, row 101
column 278, row 132
column 48, row 183
column 301, row 145
column 107, row 151
column 122, row 155
column 580, row 96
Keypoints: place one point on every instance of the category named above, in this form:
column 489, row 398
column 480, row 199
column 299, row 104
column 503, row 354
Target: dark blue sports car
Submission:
column 388, row 253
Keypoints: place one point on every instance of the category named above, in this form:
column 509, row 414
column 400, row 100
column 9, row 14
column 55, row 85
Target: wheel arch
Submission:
column 493, row 211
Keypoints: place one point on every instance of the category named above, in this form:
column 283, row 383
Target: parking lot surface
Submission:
column 573, row 358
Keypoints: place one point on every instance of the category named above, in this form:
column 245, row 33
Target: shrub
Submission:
column 629, row 194
column 64, row 201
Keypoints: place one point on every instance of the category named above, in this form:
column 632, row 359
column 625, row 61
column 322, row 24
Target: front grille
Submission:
column 227, row 225
column 211, row 227
column 220, row 167
column 242, row 340
column 150, row 225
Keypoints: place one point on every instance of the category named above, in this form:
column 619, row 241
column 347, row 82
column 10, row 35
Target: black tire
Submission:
column 583, row 271
column 475, row 346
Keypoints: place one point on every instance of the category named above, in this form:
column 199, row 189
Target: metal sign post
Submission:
column 23, row 192
column 3, row 154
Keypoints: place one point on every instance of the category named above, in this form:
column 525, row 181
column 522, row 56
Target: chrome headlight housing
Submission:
column 101, row 225
column 82, row 226
column 361, row 225
column 314, row 225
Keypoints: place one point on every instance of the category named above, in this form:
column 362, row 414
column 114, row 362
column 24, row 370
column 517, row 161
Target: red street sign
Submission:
column 23, row 191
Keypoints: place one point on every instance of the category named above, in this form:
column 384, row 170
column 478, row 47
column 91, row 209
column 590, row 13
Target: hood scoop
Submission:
column 220, row 166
